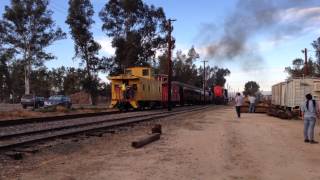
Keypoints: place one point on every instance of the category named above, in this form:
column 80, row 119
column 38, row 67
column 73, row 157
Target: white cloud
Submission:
column 106, row 46
column 303, row 20
column 306, row 18
column 292, row 15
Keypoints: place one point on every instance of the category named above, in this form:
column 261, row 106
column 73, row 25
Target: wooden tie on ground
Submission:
column 156, row 132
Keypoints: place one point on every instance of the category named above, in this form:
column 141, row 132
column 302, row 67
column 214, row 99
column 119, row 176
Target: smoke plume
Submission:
column 277, row 19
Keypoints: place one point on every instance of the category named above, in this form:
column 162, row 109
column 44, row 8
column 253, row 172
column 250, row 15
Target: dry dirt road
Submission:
column 210, row 145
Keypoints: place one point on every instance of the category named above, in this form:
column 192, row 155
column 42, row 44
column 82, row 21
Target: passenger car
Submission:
column 31, row 100
column 58, row 100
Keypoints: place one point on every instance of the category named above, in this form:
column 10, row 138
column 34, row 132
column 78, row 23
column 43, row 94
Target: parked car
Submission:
column 58, row 100
column 31, row 100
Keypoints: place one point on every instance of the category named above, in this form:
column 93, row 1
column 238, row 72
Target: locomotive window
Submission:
column 145, row 72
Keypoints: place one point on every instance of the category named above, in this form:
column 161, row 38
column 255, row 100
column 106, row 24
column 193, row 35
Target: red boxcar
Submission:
column 218, row 91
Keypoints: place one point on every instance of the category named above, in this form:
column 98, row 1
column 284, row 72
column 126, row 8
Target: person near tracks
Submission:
column 252, row 100
column 238, row 103
column 309, row 112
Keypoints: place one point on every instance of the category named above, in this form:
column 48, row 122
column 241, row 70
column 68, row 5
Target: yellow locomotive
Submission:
column 138, row 88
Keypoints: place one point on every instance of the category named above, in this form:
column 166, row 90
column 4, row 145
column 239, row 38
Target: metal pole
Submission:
column 204, row 81
column 306, row 62
column 169, row 63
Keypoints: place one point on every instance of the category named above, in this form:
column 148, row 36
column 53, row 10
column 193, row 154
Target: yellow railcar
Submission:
column 136, row 88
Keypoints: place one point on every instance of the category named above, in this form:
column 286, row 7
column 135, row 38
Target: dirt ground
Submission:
column 211, row 145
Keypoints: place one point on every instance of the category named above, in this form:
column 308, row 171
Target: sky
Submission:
column 254, row 39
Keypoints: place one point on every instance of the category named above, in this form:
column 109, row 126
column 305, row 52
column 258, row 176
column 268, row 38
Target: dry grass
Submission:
column 18, row 114
column 49, row 111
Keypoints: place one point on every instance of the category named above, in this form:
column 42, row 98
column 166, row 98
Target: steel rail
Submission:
column 24, row 129
column 24, row 138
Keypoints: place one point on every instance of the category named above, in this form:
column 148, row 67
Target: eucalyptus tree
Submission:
column 29, row 30
column 138, row 31
column 5, row 56
column 86, row 48
column 316, row 45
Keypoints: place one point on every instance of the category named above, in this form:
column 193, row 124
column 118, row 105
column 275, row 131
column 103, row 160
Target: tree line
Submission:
column 138, row 32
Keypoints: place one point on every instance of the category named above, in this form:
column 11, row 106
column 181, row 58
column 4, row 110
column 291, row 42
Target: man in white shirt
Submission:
column 252, row 105
column 238, row 103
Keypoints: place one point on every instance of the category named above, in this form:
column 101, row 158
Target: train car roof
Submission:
column 190, row 87
column 123, row 76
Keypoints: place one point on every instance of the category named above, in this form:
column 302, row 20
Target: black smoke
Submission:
column 251, row 18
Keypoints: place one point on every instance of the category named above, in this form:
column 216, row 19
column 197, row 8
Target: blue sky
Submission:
column 202, row 23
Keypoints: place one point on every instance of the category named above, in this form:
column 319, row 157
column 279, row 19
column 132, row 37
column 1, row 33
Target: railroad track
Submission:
column 33, row 131
column 7, row 122
column 54, row 118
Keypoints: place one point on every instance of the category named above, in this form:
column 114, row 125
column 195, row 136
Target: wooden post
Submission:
column 306, row 69
column 140, row 143
column 169, row 64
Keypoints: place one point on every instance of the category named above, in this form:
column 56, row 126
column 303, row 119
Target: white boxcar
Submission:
column 292, row 92
column 276, row 94
column 283, row 100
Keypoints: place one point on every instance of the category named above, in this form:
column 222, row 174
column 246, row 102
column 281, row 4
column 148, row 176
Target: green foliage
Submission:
column 40, row 82
column 220, row 74
column 29, row 30
column 137, row 31
column 17, row 79
column 297, row 69
column 5, row 80
column 183, row 68
column 72, row 81
column 46, row 82
column 6, row 56
column 214, row 76
column 80, row 21
column 251, row 88
column 316, row 45
column 162, row 64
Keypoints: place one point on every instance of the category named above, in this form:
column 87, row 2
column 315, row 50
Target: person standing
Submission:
column 238, row 103
column 252, row 105
column 309, row 114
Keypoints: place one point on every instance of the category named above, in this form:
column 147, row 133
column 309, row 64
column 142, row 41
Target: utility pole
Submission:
column 305, row 69
column 169, row 62
column 204, row 81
